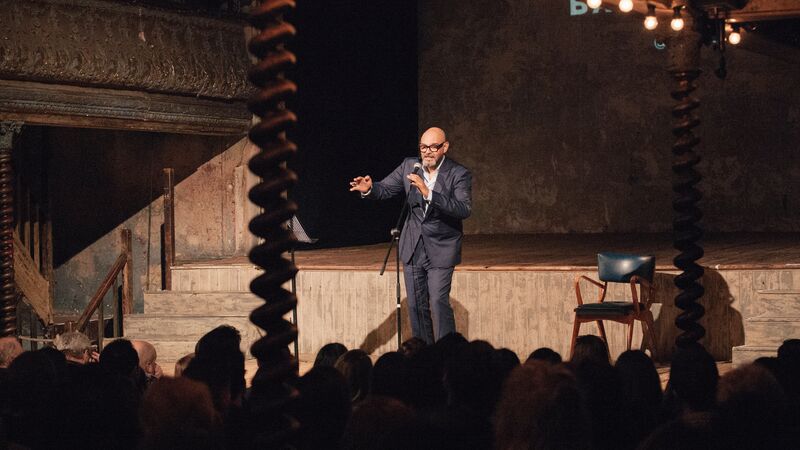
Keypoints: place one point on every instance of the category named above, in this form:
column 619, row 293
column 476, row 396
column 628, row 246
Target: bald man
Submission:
column 10, row 348
column 439, row 198
column 147, row 359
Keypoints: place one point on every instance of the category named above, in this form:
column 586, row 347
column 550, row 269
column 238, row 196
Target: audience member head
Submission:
column 182, row 364
column 74, row 345
column 120, row 358
column 147, row 358
column 541, row 408
column 545, row 354
column 219, row 363
column 590, row 348
column 641, row 393
column 322, row 409
column 178, row 413
column 450, row 344
column 382, row 423
column 356, row 367
column 693, row 379
column 473, row 378
column 412, row 346
column 684, row 433
column 790, row 351
column 10, row 348
column 390, row 376
column 223, row 340
column 753, row 408
column 34, row 380
column 426, row 387
column 329, row 353
column 506, row 361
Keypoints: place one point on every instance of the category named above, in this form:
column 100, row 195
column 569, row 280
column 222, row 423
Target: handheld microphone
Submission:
column 417, row 168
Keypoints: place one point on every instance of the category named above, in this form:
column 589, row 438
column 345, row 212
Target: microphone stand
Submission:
column 395, row 232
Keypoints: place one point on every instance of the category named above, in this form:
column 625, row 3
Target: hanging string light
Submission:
column 650, row 21
column 677, row 21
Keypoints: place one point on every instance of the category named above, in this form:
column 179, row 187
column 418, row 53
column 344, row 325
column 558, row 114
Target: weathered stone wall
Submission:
column 101, row 181
column 565, row 120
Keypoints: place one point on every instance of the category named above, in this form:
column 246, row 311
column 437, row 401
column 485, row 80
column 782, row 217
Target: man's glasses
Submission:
column 433, row 148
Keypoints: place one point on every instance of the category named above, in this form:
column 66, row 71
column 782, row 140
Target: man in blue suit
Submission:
column 439, row 198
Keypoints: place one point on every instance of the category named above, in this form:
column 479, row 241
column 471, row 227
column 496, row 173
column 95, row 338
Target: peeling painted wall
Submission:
column 101, row 181
column 565, row 121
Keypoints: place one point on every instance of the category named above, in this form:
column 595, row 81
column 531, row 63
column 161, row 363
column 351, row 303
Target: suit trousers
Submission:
column 428, row 290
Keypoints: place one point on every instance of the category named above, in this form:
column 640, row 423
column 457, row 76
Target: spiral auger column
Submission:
column 271, row 394
column 8, row 294
column 684, row 61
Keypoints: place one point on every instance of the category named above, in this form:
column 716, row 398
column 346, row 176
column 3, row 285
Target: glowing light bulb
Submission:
column 594, row 3
column 734, row 38
column 677, row 21
column 626, row 5
column 650, row 22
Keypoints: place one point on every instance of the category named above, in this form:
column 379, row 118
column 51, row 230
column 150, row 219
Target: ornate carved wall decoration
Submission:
column 111, row 44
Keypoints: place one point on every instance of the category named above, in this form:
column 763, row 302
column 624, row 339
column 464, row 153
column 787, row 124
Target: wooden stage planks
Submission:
column 578, row 251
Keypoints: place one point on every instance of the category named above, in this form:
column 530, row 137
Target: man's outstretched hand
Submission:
column 361, row 184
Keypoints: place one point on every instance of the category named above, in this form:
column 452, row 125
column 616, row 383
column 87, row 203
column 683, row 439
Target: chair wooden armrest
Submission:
column 594, row 282
column 636, row 279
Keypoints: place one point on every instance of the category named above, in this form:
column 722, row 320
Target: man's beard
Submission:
column 429, row 163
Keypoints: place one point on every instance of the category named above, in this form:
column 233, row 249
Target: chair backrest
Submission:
column 620, row 267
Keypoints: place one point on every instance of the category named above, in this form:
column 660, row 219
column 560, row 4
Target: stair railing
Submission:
column 122, row 302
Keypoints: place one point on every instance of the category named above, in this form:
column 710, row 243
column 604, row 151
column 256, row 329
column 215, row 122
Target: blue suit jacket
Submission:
column 440, row 228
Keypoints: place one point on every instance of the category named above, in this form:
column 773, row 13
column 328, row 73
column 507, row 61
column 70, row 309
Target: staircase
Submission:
column 774, row 317
column 204, row 296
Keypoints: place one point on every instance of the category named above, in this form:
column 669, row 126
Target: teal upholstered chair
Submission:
column 635, row 270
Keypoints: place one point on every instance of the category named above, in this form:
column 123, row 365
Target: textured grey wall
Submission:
column 101, row 181
column 565, row 121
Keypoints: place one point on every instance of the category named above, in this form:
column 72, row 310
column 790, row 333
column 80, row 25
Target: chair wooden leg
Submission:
column 602, row 331
column 651, row 334
column 630, row 333
column 576, row 328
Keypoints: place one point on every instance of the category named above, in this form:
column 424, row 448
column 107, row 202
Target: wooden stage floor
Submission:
column 732, row 251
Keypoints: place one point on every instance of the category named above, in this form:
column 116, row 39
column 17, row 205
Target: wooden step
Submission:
column 745, row 354
column 201, row 303
column 776, row 303
column 213, row 277
column 186, row 328
column 770, row 331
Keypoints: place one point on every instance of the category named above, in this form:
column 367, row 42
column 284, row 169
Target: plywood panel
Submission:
column 521, row 310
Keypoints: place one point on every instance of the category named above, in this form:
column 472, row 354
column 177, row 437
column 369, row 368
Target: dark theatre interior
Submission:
column 196, row 253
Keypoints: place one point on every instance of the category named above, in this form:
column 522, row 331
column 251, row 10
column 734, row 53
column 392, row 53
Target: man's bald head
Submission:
column 10, row 348
column 435, row 134
column 146, row 352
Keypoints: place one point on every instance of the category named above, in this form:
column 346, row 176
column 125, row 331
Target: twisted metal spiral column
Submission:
column 8, row 294
column 271, row 394
column 685, row 55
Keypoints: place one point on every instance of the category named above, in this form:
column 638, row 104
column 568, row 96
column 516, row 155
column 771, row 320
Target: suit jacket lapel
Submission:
column 441, row 177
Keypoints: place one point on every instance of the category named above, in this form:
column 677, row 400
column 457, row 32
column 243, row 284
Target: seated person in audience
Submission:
column 329, row 353
column 545, row 354
column 75, row 346
column 541, row 407
column 147, row 360
column 412, row 346
column 182, row 364
column 10, row 348
column 590, row 349
column 356, row 367
column 179, row 413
